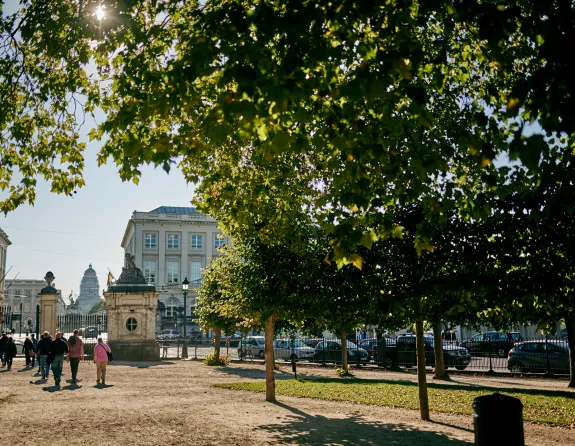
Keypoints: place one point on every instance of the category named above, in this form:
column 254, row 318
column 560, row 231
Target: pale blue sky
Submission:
column 64, row 235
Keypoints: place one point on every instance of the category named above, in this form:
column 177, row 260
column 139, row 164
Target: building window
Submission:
column 196, row 242
column 150, row 240
column 173, row 241
column 172, row 307
column 131, row 324
column 150, row 271
column 195, row 273
column 219, row 241
column 173, row 272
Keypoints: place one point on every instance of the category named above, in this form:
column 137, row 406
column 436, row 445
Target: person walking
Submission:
column 35, row 350
column 75, row 354
column 101, row 360
column 10, row 352
column 59, row 349
column 28, row 350
column 44, row 347
column 3, row 343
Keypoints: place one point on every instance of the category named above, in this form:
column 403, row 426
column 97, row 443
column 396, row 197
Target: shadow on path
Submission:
column 260, row 373
column 103, row 386
column 139, row 365
column 299, row 427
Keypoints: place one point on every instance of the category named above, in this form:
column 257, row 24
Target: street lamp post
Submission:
column 185, row 284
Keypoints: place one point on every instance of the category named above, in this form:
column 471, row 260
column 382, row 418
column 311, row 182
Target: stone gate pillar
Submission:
column 48, row 304
column 131, row 304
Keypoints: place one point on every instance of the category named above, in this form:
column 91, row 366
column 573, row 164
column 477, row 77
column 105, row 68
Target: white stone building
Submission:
column 4, row 243
column 170, row 244
column 22, row 297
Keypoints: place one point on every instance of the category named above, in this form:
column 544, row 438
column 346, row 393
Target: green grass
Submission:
column 541, row 406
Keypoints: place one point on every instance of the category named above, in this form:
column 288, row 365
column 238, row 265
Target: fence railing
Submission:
column 549, row 356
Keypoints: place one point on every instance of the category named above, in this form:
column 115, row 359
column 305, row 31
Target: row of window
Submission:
column 172, row 271
column 173, row 241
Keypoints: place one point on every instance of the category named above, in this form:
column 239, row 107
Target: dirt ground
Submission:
column 172, row 403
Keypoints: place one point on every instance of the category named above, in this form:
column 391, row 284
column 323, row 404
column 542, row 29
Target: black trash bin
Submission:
column 498, row 421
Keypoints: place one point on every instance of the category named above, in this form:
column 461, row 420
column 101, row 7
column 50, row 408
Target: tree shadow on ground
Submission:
column 302, row 428
column 140, row 365
column 259, row 373
column 462, row 388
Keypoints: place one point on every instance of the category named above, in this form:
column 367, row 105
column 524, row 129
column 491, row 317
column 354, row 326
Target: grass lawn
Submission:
column 542, row 406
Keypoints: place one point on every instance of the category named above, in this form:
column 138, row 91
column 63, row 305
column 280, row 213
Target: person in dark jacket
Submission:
column 10, row 352
column 28, row 350
column 3, row 342
column 44, row 347
column 59, row 349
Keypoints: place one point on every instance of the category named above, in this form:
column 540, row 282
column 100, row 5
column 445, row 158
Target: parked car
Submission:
column 234, row 339
column 492, row 342
column 369, row 345
column 287, row 350
column 404, row 352
column 91, row 332
column 252, row 346
column 330, row 351
column 169, row 334
column 539, row 356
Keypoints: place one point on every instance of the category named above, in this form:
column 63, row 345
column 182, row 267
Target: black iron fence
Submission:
column 541, row 355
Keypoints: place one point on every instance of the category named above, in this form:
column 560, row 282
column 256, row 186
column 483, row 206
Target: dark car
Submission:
column 493, row 342
column 539, row 356
column 91, row 332
column 330, row 351
column 453, row 356
column 369, row 345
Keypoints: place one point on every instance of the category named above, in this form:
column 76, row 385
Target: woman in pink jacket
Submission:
column 101, row 360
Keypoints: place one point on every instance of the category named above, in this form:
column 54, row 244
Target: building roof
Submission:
column 174, row 210
column 5, row 236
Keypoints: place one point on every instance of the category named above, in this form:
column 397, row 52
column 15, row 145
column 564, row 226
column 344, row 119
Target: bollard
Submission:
column 294, row 367
column 498, row 420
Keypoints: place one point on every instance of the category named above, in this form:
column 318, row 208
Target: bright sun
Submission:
column 100, row 12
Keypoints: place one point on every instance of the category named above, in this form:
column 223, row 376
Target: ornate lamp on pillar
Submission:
column 185, row 284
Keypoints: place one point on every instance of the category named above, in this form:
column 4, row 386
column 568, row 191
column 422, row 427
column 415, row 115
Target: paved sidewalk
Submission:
column 173, row 403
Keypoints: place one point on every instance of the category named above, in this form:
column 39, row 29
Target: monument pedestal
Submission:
column 48, row 306
column 131, row 306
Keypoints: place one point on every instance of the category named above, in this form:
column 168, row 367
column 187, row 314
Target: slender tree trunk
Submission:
column 344, row 349
column 269, row 355
column 439, row 359
column 421, row 376
column 217, row 342
column 570, row 324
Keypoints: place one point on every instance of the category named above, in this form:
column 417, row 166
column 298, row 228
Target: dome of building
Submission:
column 89, row 290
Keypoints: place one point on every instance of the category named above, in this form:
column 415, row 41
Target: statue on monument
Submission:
column 131, row 273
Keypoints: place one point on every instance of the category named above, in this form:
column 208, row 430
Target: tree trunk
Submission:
column 570, row 324
column 269, row 355
column 421, row 377
column 344, row 349
column 217, row 342
column 439, row 359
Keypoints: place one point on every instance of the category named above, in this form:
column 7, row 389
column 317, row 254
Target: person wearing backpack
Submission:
column 28, row 350
column 58, row 349
column 44, row 347
column 101, row 351
column 75, row 353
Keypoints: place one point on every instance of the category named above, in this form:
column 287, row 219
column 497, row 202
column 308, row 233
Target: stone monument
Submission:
column 131, row 305
column 48, row 306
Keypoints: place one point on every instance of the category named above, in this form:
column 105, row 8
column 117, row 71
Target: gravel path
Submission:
column 172, row 403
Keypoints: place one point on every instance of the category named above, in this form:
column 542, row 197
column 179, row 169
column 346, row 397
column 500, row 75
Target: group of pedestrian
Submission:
column 52, row 353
